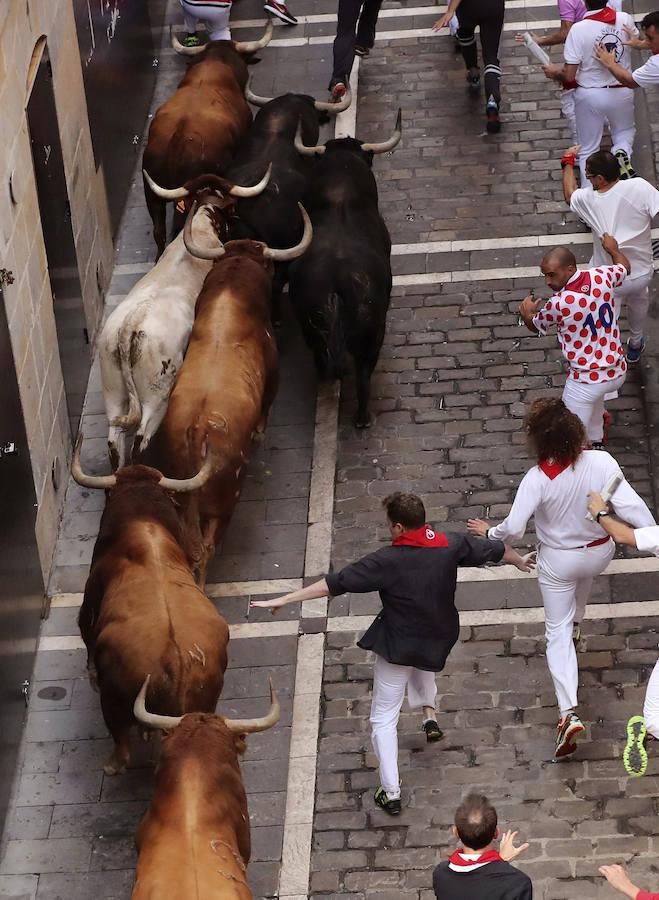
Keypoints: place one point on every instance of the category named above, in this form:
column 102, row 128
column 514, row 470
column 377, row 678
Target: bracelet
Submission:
column 602, row 512
column 568, row 159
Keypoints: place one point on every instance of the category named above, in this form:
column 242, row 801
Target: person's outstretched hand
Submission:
column 273, row 605
column 507, row 848
column 619, row 879
column 637, row 43
column 478, row 527
column 519, row 37
column 443, row 22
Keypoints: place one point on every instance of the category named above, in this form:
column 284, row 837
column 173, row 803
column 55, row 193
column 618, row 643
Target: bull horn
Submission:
column 184, row 51
column 165, row 193
column 250, row 726
column 253, row 46
column 298, row 250
column 191, row 247
column 318, row 150
column 385, row 146
column 184, row 485
column 254, row 99
column 253, row 190
column 164, row 723
column 99, row 482
column 334, row 108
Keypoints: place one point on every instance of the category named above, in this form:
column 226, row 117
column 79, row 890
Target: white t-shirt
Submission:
column 648, row 75
column 626, row 212
column 647, row 539
column 584, row 36
column 585, row 314
column 557, row 498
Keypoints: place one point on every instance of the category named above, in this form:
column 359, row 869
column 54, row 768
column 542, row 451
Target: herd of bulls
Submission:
column 189, row 367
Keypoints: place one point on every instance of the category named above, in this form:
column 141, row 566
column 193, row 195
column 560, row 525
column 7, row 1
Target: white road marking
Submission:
column 391, row 13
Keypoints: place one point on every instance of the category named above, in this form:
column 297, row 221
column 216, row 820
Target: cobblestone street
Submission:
column 470, row 217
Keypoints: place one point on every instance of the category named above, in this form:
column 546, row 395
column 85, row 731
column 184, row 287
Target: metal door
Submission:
column 55, row 213
column 21, row 585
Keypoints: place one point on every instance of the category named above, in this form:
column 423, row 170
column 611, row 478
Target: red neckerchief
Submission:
column 606, row 15
column 457, row 859
column 552, row 469
column 421, row 537
column 580, row 284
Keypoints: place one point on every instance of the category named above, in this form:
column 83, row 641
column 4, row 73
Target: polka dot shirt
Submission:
column 585, row 315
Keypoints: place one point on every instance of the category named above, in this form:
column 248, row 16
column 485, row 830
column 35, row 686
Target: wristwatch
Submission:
column 602, row 512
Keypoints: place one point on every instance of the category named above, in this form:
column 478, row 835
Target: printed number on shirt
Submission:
column 605, row 319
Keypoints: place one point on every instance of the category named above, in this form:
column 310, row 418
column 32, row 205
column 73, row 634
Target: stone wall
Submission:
column 28, row 300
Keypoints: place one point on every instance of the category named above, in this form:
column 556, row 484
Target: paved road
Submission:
column 464, row 210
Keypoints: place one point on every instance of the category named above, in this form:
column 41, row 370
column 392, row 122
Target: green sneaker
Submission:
column 635, row 756
column 432, row 730
column 191, row 40
column 389, row 806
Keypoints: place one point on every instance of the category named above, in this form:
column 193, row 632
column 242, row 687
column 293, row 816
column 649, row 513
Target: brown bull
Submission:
column 142, row 611
column 197, row 130
column 226, row 384
column 194, row 840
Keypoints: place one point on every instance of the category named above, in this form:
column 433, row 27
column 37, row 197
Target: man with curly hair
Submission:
column 572, row 548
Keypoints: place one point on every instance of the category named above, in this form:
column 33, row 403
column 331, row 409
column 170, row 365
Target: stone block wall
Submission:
column 28, row 300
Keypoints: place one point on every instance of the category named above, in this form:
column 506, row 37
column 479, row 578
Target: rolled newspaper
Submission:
column 609, row 490
column 536, row 50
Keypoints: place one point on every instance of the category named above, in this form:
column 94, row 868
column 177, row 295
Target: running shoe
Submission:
column 281, row 11
column 492, row 112
column 337, row 92
column 191, row 40
column 597, row 445
column 576, row 635
column 633, row 354
column 567, row 730
column 626, row 169
column 433, row 731
column 607, row 418
column 361, row 51
column 635, row 756
column 392, row 807
column 473, row 84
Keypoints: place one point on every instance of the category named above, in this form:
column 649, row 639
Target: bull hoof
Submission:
column 111, row 768
column 363, row 422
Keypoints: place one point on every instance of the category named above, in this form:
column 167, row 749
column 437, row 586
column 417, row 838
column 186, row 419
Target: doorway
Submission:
column 21, row 585
column 55, row 211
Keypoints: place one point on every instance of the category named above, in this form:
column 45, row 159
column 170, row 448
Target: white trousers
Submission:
column 586, row 400
column 595, row 107
column 565, row 578
column 651, row 706
column 215, row 18
column 569, row 113
column 636, row 294
column 389, row 684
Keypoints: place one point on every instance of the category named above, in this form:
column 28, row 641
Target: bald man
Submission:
column 584, row 312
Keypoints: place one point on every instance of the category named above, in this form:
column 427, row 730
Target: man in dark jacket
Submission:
column 476, row 871
column 418, row 625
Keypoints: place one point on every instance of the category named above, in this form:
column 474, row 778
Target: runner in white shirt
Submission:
column 624, row 209
column 635, row 756
column 585, row 314
column 646, row 75
column 572, row 549
column 599, row 98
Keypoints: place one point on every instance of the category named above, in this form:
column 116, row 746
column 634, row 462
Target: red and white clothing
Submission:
column 626, row 211
column 585, row 315
column 213, row 13
column 572, row 549
column 599, row 98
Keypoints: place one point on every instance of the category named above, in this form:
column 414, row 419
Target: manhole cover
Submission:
column 52, row 693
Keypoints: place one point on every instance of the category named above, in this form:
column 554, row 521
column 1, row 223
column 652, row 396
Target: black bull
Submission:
column 340, row 288
column 273, row 217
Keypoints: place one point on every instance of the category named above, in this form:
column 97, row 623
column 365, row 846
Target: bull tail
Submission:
column 336, row 341
column 129, row 351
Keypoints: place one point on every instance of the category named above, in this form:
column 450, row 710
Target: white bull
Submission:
column 144, row 339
